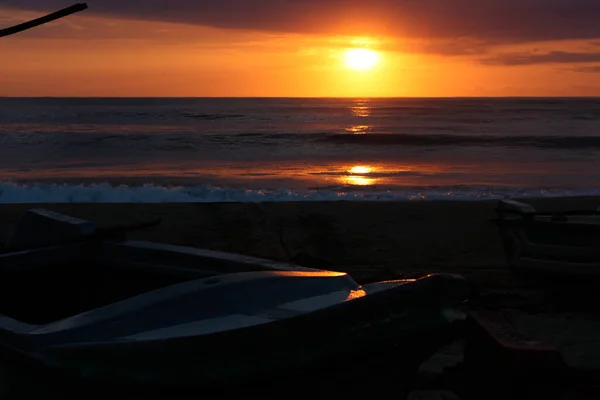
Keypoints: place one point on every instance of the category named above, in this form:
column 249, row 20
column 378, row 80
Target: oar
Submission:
column 42, row 20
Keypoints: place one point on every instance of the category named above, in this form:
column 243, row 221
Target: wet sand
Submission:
column 372, row 241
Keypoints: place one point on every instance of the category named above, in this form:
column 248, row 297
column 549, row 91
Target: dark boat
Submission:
column 564, row 243
column 82, row 302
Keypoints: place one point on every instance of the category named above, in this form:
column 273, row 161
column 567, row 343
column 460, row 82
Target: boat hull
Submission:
column 392, row 330
column 564, row 244
column 273, row 367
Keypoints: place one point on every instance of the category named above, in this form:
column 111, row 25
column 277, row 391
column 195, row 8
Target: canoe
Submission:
column 78, row 303
column 563, row 243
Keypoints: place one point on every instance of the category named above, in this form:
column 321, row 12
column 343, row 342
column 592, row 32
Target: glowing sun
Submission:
column 361, row 59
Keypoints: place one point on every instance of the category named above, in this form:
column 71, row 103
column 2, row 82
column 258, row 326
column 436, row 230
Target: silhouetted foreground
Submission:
column 43, row 20
column 560, row 243
column 391, row 240
column 145, row 313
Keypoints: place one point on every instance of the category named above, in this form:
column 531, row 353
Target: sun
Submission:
column 361, row 59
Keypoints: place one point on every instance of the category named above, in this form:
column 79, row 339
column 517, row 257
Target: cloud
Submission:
column 590, row 69
column 553, row 57
column 457, row 47
column 506, row 21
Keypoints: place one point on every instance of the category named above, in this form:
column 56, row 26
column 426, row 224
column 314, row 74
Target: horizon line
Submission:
column 303, row 97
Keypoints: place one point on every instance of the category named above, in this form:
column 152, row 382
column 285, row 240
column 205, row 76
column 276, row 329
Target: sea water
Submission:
column 253, row 149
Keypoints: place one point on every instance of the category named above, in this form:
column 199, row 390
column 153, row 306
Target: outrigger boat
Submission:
column 88, row 304
column 566, row 242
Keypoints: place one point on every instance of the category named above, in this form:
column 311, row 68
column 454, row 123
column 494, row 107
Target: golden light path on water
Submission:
column 361, row 109
column 358, row 129
column 257, row 174
column 358, row 176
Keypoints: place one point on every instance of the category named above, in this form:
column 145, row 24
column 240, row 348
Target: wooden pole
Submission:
column 42, row 20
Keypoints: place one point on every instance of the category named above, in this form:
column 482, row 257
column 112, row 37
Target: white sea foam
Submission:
column 150, row 193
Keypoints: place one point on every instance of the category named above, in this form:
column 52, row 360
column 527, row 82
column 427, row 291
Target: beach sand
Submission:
column 372, row 241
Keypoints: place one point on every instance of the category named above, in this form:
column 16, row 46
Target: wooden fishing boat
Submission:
column 86, row 303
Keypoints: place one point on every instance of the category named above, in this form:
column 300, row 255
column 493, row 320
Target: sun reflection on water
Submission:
column 360, row 169
column 357, row 180
column 360, row 110
column 358, row 176
column 358, row 129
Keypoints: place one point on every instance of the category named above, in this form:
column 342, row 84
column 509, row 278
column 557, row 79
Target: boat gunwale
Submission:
column 156, row 296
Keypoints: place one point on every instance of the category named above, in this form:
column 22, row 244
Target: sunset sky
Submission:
column 299, row 48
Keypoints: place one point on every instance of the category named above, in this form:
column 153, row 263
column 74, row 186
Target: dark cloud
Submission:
column 553, row 57
column 497, row 21
column 460, row 47
column 590, row 69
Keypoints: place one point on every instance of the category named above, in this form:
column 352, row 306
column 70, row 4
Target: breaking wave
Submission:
column 150, row 193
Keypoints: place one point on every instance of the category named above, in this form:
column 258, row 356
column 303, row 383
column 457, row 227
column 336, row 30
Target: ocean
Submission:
column 279, row 149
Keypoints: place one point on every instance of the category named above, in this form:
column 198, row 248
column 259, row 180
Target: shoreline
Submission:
column 181, row 190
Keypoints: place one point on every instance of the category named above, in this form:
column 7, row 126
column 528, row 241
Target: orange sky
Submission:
column 91, row 55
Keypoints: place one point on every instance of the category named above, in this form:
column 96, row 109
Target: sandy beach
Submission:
column 364, row 238
column 372, row 241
